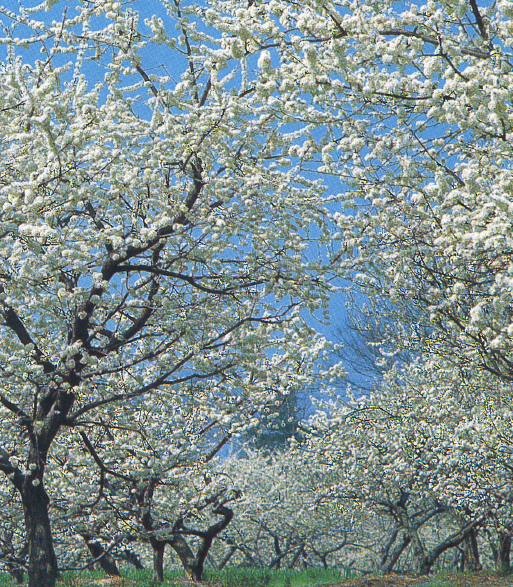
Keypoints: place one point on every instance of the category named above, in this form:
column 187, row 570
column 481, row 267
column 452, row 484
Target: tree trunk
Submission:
column 42, row 566
column 158, row 560
column 192, row 569
column 296, row 556
column 471, row 551
column 226, row 559
column 390, row 558
column 104, row 559
column 130, row 557
column 502, row 554
column 17, row 575
column 17, row 564
column 411, row 529
column 145, row 501
column 193, row 564
column 450, row 542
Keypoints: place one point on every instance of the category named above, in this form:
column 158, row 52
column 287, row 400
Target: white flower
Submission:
column 264, row 61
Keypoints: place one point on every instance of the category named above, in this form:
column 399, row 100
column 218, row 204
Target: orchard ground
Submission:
column 286, row 578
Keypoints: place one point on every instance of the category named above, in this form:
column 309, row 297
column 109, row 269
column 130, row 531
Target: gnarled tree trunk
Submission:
column 42, row 566
column 413, row 536
column 104, row 558
column 193, row 564
column 159, row 548
column 193, row 568
column 502, row 552
column 471, row 551
column 451, row 541
column 389, row 555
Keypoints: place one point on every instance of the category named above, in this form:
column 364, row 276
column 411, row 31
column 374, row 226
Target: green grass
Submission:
column 240, row 577
column 143, row 578
column 232, row 577
column 439, row 581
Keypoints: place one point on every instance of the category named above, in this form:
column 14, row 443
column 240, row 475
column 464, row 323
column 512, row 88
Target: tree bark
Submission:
column 130, row 557
column 42, row 566
column 471, row 551
column 422, row 560
column 390, row 558
column 296, row 556
column 17, row 575
column 502, row 552
column 17, row 564
column 450, row 542
column 159, row 548
column 105, row 559
column 411, row 529
column 192, row 569
column 226, row 559
column 193, row 564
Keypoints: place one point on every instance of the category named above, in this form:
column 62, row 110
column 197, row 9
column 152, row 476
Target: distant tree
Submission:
column 279, row 423
column 427, row 445
column 283, row 519
column 369, row 344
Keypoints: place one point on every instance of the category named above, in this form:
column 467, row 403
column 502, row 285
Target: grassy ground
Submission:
column 237, row 577
column 233, row 577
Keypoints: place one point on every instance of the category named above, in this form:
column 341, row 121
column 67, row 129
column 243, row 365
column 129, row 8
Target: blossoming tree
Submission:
column 284, row 518
column 163, row 231
column 427, row 445
column 153, row 243
column 420, row 110
column 420, row 135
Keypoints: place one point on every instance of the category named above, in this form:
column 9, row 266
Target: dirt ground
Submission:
column 482, row 579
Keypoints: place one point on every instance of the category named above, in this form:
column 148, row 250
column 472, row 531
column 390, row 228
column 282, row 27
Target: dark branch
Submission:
column 479, row 19
column 187, row 278
column 14, row 322
column 163, row 380
column 99, row 462
column 432, row 41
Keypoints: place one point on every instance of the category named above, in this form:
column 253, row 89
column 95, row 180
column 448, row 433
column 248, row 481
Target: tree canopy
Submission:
column 183, row 187
column 154, row 247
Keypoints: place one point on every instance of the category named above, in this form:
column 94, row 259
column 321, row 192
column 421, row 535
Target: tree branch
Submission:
column 431, row 40
column 14, row 322
column 70, row 421
column 99, row 462
column 187, row 278
column 13, row 472
column 479, row 19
